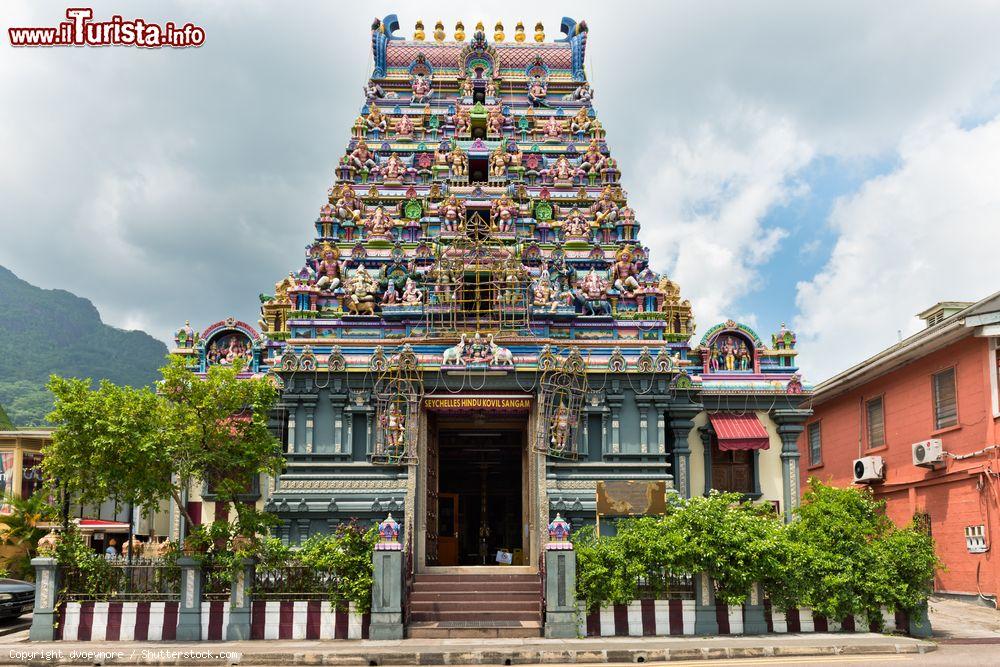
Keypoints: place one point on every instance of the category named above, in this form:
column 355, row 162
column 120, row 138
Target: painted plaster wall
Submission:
column 949, row 494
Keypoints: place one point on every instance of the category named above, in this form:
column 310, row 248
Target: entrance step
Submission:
column 474, row 629
column 476, row 606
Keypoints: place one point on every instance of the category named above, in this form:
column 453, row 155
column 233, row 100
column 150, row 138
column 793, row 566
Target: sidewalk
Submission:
column 17, row 651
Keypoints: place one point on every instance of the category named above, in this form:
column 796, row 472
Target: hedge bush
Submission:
column 841, row 556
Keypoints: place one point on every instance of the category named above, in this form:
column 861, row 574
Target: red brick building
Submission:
column 882, row 421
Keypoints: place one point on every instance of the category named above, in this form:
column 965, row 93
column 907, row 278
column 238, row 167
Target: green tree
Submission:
column 143, row 447
column 4, row 420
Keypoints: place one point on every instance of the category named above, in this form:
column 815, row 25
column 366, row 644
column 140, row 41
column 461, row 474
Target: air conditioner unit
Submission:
column 869, row 469
column 928, row 453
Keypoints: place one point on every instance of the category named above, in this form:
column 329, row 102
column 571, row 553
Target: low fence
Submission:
column 182, row 600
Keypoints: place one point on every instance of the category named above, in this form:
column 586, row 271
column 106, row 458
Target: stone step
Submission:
column 475, row 606
column 461, row 596
column 475, row 588
column 416, row 616
column 478, row 577
column 434, row 630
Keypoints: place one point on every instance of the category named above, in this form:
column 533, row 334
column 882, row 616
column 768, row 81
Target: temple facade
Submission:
column 476, row 340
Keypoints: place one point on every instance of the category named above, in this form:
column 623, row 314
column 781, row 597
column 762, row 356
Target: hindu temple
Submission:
column 476, row 340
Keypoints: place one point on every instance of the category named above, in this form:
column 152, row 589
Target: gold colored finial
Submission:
column 459, row 32
column 539, row 32
column 519, row 32
column 439, row 33
column 418, row 31
column 498, row 32
column 480, row 27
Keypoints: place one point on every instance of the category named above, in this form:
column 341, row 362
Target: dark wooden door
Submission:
column 732, row 470
column 447, row 533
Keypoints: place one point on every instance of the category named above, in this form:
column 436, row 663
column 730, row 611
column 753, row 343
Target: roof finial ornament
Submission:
column 439, row 33
column 459, row 32
column 418, row 31
column 539, row 32
column 519, row 32
column 498, row 32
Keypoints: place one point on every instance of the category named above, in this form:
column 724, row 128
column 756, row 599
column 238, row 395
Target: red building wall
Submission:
column 955, row 495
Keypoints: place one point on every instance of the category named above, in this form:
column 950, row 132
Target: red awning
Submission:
column 739, row 431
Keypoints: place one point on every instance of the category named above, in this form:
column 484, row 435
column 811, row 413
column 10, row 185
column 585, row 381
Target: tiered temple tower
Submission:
column 476, row 340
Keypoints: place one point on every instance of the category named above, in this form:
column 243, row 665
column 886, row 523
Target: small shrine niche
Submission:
column 731, row 350
column 229, row 342
column 563, row 390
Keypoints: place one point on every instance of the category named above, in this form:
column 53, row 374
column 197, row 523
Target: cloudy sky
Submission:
column 833, row 166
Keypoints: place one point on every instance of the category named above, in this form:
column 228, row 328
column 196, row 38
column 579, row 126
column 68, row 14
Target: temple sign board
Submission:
column 627, row 498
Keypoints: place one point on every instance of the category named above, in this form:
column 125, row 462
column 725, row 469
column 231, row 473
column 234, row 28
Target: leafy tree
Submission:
column 143, row 447
column 4, row 419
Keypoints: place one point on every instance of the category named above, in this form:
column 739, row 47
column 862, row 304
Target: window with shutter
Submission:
column 815, row 446
column 945, row 404
column 876, row 423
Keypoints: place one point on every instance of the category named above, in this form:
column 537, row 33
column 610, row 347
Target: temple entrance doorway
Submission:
column 475, row 493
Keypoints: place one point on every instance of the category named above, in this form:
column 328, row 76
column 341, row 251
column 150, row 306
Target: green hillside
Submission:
column 52, row 331
column 4, row 420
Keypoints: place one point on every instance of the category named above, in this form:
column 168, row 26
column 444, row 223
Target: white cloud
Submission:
column 702, row 200
column 927, row 232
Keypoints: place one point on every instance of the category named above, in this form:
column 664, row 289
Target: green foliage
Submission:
column 89, row 572
column 142, row 447
column 19, row 529
column 841, row 556
column 52, row 331
column 5, row 422
column 348, row 553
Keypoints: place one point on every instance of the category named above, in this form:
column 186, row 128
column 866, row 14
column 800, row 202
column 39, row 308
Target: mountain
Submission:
column 53, row 331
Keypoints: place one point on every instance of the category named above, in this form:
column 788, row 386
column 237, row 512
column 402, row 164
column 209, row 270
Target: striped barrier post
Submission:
column 706, row 621
column 189, row 615
column 240, row 602
column 43, row 617
column 754, row 622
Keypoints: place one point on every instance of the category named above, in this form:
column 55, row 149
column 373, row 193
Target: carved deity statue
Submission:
column 390, row 297
column 360, row 292
column 376, row 120
column 461, row 119
column 403, row 126
column 373, row 91
column 498, row 163
column 421, row 87
column 624, row 272
column 581, row 121
column 504, row 213
column 452, row 213
column 281, row 288
column 379, row 224
column 329, row 270
column 576, row 226
column 496, row 120
column 412, row 296
column 594, row 286
column 537, row 90
column 605, row 209
column 559, row 434
column 348, row 206
column 562, row 170
column 582, row 93
column 593, row 159
column 394, row 424
column 552, row 128
column 459, row 162
column 393, row 169
column 363, row 158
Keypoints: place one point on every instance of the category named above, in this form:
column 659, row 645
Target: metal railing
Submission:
column 663, row 585
column 146, row 580
column 216, row 583
column 295, row 582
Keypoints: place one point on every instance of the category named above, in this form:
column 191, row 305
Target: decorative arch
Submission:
column 228, row 340
column 731, row 347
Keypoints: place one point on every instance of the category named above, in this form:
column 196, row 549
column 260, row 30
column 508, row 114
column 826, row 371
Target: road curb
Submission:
column 493, row 655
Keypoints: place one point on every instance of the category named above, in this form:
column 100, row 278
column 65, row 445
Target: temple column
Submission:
column 310, row 421
column 615, row 404
column 337, row 403
column 790, row 426
column 643, row 403
column 292, row 410
column 681, row 422
column 706, row 434
column 660, row 408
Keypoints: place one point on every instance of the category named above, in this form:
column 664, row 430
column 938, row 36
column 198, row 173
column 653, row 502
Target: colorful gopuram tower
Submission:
column 476, row 340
